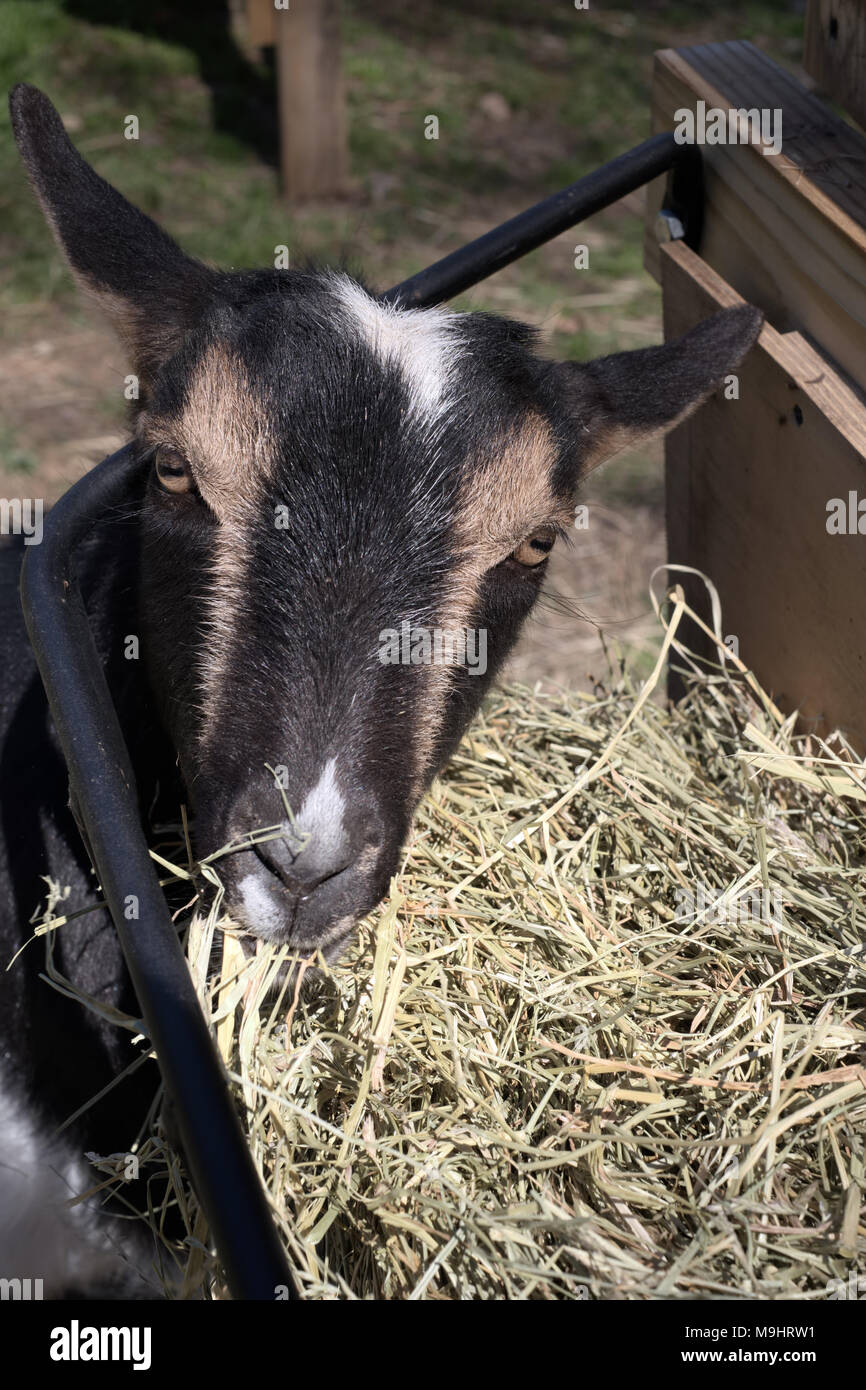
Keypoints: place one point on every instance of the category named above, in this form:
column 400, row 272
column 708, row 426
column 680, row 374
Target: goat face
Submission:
column 329, row 472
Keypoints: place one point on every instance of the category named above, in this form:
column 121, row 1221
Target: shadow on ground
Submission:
column 243, row 95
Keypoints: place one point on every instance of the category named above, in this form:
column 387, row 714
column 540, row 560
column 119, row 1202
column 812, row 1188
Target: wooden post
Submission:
column 835, row 53
column 311, row 97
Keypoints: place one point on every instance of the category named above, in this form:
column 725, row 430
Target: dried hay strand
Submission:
column 605, row 1040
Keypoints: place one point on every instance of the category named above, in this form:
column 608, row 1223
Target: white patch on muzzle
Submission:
column 317, row 830
column 261, row 909
column 320, row 819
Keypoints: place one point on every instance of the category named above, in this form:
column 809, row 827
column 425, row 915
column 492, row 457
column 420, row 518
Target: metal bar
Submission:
column 103, row 786
column 499, row 247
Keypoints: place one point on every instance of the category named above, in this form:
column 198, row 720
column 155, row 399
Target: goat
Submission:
column 324, row 468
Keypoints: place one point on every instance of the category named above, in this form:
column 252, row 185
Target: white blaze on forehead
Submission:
column 424, row 343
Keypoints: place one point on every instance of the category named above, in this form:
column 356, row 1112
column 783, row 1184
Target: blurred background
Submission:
column 529, row 96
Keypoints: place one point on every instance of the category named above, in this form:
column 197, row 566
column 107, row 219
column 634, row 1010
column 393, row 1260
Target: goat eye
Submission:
column 173, row 471
column 534, row 549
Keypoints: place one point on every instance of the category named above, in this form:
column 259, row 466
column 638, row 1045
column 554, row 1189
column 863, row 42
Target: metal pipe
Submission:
column 508, row 242
column 102, row 784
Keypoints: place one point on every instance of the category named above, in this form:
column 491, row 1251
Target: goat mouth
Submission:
column 328, row 950
column 319, row 921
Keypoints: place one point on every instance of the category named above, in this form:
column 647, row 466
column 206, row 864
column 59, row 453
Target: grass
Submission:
column 14, row 459
column 576, row 85
column 606, row 1039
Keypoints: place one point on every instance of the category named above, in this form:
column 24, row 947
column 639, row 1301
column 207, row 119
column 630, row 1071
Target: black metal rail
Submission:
column 545, row 220
column 103, row 787
column 100, row 773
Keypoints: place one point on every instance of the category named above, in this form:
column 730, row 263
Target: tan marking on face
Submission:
column 509, row 496
column 223, row 431
column 224, row 434
column 225, row 596
column 503, row 500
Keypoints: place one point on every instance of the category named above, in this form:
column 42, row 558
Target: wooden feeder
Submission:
column 752, row 478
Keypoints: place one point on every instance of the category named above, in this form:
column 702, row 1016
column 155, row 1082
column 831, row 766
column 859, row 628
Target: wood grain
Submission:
column 748, row 482
column 787, row 231
column 313, row 156
column 835, row 52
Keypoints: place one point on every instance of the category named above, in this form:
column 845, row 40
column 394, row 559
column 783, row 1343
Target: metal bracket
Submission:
column 681, row 216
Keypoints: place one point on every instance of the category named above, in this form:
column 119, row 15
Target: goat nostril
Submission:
column 275, row 855
column 307, row 870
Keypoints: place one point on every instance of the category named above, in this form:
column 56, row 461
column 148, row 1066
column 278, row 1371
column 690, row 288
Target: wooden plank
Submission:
column 260, row 27
column 835, row 52
column 313, row 154
column 788, row 231
column 748, row 485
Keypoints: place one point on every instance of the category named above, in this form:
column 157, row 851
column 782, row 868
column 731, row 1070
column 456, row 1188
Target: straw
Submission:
column 605, row 1039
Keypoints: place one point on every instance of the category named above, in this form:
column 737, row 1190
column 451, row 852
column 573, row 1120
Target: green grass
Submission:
column 14, row 459
column 578, row 80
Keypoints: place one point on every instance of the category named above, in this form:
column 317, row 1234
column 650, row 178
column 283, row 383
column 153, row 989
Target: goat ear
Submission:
column 620, row 400
column 150, row 290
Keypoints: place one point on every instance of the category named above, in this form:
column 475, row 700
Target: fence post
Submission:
column 311, row 98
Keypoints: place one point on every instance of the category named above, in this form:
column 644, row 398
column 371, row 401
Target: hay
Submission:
column 606, row 1039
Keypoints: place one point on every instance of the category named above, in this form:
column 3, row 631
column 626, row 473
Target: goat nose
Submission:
column 314, row 862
